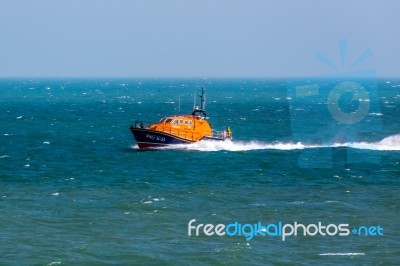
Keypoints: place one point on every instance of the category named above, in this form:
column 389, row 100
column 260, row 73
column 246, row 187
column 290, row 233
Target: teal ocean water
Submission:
column 76, row 190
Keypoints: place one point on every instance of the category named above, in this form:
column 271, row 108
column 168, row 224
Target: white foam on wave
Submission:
column 228, row 145
column 343, row 254
column 391, row 143
column 376, row 114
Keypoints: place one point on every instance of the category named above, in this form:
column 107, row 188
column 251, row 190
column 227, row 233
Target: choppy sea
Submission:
column 76, row 190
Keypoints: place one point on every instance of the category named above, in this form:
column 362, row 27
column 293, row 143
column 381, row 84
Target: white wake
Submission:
column 228, row 145
column 391, row 143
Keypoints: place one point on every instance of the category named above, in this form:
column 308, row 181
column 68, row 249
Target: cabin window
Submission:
column 186, row 122
column 168, row 120
column 191, row 122
column 162, row 120
column 180, row 121
column 175, row 122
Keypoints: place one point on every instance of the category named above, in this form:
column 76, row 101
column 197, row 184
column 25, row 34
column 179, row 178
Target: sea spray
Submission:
column 390, row 143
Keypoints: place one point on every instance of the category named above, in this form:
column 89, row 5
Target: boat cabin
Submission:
column 185, row 126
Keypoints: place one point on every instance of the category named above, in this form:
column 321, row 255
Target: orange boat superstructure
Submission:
column 181, row 129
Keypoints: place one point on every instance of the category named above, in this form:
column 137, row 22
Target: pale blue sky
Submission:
column 192, row 38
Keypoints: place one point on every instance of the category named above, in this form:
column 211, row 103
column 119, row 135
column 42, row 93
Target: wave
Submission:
column 343, row 254
column 228, row 145
column 391, row 143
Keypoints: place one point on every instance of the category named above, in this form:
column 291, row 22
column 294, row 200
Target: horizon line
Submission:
column 193, row 77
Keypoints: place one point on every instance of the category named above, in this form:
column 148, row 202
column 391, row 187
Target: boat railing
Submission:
column 141, row 124
column 177, row 132
column 173, row 131
column 181, row 133
column 215, row 134
column 219, row 134
column 185, row 133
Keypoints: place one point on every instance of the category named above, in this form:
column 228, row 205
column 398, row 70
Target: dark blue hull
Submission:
column 146, row 138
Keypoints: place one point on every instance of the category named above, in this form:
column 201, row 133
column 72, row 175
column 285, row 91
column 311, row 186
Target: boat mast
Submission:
column 197, row 111
column 203, row 100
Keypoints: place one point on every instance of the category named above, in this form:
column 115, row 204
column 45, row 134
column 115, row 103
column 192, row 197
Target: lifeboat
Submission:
column 179, row 129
